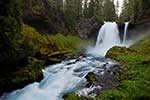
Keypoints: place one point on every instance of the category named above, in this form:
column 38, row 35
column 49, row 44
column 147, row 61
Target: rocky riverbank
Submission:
column 97, row 82
column 134, row 79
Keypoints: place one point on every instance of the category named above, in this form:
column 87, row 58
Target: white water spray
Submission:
column 108, row 37
column 125, row 32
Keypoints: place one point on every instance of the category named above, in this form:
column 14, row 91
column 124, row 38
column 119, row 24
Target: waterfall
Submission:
column 125, row 32
column 108, row 37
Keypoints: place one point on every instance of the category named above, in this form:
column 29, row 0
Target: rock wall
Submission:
column 88, row 28
column 43, row 17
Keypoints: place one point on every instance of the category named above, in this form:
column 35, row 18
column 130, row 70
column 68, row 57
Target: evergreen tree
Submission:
column 79, row 9
column 59, row 5
column 85, row 9
column 109, row 10
column 99, row 14
column 126, row 14
column 92, row 8
column 10, row 27
column 131, row 8
column 73, row 12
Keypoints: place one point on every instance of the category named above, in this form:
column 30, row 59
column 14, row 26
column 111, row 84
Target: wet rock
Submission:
column 91, row 77
column 107, row 79
column 88, row 28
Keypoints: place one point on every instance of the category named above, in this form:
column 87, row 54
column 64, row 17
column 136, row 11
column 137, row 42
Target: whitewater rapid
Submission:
column 60, row 79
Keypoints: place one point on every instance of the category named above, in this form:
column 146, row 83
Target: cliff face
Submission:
column 45, row 18
column 88, row 28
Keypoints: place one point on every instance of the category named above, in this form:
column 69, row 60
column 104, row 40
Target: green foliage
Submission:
column 131, row 9
column 101, row 10
column 73, row 13
column 109, row 11
column 10, row 27
column 57, row 42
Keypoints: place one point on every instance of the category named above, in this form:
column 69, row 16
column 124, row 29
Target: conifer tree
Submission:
column 109, row 10
column 10, row 27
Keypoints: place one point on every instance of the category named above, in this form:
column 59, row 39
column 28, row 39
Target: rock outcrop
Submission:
column 88, row 28
column 42, row 16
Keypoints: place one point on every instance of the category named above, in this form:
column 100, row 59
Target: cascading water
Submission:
column 108, row 37
column 125, row 32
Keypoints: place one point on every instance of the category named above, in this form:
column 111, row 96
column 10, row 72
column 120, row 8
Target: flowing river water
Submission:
column 69, row 76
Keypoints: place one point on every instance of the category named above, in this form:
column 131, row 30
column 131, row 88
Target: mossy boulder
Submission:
column 116, row 51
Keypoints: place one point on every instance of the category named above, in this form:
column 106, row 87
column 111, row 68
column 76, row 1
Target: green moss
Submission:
column 49, row 47
column 55, row 43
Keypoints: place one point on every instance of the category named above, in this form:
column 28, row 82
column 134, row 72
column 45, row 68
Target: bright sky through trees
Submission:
column 120, row 4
